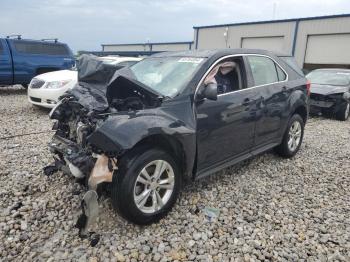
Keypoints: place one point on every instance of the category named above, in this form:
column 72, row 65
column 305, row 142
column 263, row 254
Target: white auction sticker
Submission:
column 194, row 60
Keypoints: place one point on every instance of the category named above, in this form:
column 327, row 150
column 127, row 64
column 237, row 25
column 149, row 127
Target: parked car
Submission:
column 175, row 117
column 330, row 92
column 45, row 89
column 21, row 59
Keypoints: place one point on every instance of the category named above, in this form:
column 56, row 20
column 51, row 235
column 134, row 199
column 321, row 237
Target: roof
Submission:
column 35, row 40
column 121, row 58
column 155, row 43
column 212, row 52
column 275, row 21
column 333, row 69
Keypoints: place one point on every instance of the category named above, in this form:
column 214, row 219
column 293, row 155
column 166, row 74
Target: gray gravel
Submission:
column 270, row 208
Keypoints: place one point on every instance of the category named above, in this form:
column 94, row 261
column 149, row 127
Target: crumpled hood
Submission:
column 96, row 77
column 58, row 75
column 328, row 89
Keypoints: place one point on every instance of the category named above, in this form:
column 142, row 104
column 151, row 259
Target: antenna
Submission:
column 19, row 37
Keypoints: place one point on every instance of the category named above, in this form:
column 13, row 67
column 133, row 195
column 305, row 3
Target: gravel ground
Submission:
column 270, row 208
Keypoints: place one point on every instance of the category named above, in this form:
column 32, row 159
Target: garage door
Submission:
column 274, row 44
column 328, row 49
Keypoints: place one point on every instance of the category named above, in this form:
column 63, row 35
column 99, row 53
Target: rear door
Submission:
column 6, row 76
column 225, row 127
column 270, row 81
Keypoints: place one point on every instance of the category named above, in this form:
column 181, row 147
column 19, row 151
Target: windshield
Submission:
column 329, row 77
column 166, row 75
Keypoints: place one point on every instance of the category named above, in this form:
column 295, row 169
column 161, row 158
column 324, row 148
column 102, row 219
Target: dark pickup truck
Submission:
column 21, row 59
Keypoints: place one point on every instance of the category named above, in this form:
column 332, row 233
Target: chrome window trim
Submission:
column 236, row 55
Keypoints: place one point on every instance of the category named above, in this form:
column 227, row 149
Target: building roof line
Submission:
column 155, row 43
column 275, row 21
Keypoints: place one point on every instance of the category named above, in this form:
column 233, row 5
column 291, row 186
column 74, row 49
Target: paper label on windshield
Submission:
column 194, row 60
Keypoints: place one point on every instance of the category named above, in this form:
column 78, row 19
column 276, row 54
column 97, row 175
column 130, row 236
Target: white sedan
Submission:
column 45, row 89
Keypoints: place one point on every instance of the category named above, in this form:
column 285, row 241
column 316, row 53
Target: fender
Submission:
column 122, row 131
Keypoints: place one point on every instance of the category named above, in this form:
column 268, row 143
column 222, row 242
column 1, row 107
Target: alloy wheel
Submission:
column 154, row 186
column 294, row 136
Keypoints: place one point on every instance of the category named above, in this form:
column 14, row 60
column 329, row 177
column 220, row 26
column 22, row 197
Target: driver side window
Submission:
column 227, row 75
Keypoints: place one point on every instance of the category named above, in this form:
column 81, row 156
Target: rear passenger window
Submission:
column 265, row 70
column 40, row 48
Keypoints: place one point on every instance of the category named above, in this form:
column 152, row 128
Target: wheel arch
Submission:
column 302, row 111
column 169, row 144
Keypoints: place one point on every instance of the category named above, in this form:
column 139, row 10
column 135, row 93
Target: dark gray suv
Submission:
column 174, row 117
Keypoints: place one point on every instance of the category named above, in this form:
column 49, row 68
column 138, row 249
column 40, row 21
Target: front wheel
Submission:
column 146, row 186
column 292, row 138
column 343, row 112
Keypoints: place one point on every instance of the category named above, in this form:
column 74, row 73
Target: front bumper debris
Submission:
column 322, row 104
column 79, row 162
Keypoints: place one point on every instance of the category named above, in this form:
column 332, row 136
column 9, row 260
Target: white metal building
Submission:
column 148, row 47
column 314, row 41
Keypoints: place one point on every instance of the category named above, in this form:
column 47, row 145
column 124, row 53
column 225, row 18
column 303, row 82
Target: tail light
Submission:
column 308, row 87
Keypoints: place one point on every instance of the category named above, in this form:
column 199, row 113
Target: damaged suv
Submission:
column 330, row 92
column 174, row 117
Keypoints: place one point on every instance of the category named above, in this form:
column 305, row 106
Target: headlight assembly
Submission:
column 57, row 84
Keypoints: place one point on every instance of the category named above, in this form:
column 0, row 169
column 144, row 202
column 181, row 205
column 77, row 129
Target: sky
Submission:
column 86, row 24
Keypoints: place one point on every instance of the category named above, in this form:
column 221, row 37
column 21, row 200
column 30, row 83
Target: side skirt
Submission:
column 233, row 161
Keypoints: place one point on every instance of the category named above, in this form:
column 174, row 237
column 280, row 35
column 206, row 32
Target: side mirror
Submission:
column 209, row 91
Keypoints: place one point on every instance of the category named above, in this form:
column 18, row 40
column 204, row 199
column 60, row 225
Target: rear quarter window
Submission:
column 290, row 61
column 40, row 48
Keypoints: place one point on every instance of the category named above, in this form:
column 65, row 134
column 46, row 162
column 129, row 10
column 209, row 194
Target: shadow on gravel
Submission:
column 12, row 90
column 40, row 110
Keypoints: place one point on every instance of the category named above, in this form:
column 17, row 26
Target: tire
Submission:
column 25, row 86
column 343, row 113
column 285, row 149
column 126, row 190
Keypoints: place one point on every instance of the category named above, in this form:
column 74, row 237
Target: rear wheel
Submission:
column 292, row 138
column 146, row 186
column 343, row 112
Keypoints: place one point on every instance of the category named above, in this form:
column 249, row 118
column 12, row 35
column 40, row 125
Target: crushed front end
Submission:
column 75, row 156
column 326, row 104
column 85, row 144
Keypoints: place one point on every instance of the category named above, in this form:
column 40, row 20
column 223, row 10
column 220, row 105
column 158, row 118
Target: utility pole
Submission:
column 274, row 11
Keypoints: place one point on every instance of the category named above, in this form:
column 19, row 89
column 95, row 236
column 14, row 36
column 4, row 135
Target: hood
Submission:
column 328, row 89
column 58, row 75
column 96, row 77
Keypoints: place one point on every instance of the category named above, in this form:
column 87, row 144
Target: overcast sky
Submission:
column 86, row 24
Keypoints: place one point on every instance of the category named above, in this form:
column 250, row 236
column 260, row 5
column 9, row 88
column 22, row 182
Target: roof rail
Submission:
column 50, row 39
column 18, row 36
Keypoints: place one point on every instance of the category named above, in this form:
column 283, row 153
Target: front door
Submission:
column 225, row 127
column 6, row 77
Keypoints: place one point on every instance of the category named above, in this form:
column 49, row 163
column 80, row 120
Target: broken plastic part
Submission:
column 76, row 172
column 50, row 170
column 211, row 213
column 102, row 171
column 89, row 206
